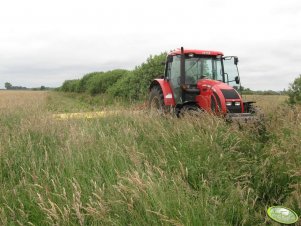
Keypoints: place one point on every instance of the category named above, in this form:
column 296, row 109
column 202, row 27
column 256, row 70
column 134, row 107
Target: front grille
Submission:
column 230, row 94
column 234, row 109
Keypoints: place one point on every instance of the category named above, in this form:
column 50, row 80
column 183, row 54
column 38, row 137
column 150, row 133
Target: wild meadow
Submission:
column 143, row 169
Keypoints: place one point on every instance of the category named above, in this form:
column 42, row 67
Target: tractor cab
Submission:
column 197, row 66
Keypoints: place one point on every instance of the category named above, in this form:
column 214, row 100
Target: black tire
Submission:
column 190, row 111
column 156, row 101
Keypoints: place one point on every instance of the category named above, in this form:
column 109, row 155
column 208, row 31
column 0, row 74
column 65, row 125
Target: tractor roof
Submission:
column 197, row 52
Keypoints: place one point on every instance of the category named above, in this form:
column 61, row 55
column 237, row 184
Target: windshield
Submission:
column 199, row 67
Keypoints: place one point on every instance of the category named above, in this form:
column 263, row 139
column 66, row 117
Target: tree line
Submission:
column 9, row 86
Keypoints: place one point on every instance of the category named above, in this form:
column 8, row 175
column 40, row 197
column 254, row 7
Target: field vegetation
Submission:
column 141, row 169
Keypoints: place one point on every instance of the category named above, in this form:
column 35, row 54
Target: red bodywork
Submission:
column 196, row 51
column 209, row 89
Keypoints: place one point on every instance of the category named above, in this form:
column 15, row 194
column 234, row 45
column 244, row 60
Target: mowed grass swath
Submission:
column 141, row 169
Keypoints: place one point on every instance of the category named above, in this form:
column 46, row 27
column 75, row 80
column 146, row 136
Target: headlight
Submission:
column 228, row 103
column 237, row 103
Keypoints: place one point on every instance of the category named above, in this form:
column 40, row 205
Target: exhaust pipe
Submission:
column 182, row 75
column 182, row 68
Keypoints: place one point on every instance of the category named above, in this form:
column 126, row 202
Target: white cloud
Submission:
column 47, row 42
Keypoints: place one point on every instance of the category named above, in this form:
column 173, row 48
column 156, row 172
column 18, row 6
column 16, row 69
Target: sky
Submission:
column 45, row 42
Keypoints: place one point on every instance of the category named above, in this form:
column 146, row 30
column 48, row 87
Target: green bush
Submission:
column 100, row 82
column 120, row 83
column 86, row 80
column 126, row 87
column 294, row 91
column 135, row 84
column 94, row 83
column 71, row 85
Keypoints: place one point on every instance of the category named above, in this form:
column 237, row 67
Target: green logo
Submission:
column 282, row 215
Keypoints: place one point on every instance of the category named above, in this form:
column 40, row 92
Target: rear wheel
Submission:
column 156, row 101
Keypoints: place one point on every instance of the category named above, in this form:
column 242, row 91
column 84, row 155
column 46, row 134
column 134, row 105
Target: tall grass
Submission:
column 140, row 169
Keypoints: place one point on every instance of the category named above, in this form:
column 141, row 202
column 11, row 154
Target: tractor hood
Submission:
column 222, row 97
column 208, row 85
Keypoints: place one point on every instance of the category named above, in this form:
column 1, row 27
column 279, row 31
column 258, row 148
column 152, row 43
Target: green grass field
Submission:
column 138, row 169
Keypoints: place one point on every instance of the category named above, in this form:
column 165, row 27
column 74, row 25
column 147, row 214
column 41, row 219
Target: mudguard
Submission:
column 166, row 90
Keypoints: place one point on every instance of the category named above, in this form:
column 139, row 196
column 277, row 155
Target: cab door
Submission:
column 173, row 76
column 231, row 71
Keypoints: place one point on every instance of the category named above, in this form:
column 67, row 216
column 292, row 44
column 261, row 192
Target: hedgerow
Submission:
column 119, row 83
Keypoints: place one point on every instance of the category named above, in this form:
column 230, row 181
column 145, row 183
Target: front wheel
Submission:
column 190, row 110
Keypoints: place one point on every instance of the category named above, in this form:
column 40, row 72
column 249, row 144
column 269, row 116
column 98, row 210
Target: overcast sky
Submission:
column 45, row 42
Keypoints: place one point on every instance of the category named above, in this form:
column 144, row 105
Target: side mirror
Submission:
column 237, row 80
column 235, row 60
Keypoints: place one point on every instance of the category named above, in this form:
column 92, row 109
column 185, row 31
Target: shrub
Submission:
column 70, row 85
column 120, row 83
column 84, row 83
column 100, row 82
column 135, row 84
column 294, row 91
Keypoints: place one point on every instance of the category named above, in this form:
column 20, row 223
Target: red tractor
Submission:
column 198, row 80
